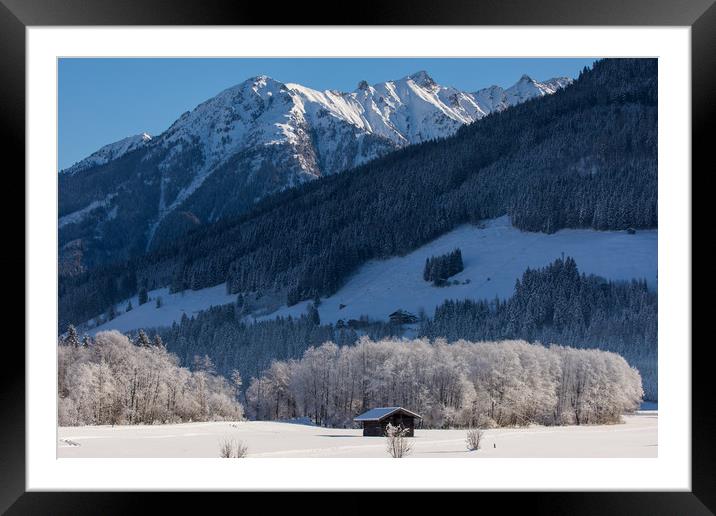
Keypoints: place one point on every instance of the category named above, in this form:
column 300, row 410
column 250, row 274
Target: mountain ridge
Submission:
column 250, row 140
column 421, row 78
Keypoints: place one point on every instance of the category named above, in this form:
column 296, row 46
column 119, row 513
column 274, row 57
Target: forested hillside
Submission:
column 558, row 305
column 555, row 304
column 255, row 138
column 583, row 157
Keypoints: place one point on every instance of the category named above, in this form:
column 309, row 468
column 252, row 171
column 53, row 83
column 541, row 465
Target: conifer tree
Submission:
column 158, row 342
column 143, row 296
column 71, row 339
column 313, row 314
column 142, row 339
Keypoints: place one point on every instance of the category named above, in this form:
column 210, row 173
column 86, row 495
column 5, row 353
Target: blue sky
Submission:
column 104, row 100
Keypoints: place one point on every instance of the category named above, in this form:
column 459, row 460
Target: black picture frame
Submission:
column 16, row 15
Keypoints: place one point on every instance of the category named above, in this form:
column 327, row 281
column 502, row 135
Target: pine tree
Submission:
column 142, row 339
column 158, row 342
column 159, row 302
column 129, row 306
column 313, row 314
column 71, row 339
column 143, row 296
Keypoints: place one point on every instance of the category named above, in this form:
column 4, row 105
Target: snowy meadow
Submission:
column 636, row 437
column 116, row 396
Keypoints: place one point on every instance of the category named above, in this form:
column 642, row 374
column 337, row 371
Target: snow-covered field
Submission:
column 494, row 256
column 637, row 437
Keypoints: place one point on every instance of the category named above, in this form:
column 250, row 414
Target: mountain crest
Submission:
column 259, row 137
column 422, row 78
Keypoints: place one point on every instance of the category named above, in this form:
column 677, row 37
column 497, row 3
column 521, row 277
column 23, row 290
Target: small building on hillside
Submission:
column 376, row 420
column 402, row 317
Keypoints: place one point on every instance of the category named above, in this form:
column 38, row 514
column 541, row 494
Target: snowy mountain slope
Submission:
column 494, row 256
column 496, row 98
column 109, row 153
column 250, row 140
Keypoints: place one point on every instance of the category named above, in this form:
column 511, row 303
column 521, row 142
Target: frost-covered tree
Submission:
column 71, row 339
column 116, row 382
column 142, row 340
column 558, row 304
column 158, row 342
column 463, row 384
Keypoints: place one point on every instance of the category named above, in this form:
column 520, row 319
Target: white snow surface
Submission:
column 495, row 255
column 636, row 437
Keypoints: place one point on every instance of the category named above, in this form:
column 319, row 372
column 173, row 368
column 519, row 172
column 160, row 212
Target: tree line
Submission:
column 553, row 304
column 463, row 384
column 557, row 304
column 235, row 343
column 112, row 380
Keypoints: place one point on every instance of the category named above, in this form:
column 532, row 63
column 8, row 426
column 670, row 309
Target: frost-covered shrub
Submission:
column 233, row 449
column 226, row 449
column 241, row 450
column 473, row 438
column 397, row 442
column 113, row 381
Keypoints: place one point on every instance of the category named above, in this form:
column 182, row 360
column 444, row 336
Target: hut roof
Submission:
column 380, row 413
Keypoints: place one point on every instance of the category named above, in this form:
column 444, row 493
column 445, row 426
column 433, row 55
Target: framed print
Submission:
column 459, row 239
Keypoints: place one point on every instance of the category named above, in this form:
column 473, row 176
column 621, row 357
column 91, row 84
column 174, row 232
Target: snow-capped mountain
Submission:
column 496, row 98
column 110, row 152
column 250, row 140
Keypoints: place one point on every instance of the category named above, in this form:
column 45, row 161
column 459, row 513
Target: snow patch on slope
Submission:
column 494, row 256
column 77, row 216
column 174, row 306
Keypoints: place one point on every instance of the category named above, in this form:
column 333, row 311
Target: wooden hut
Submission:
column 402, row 317
column 376, row 420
